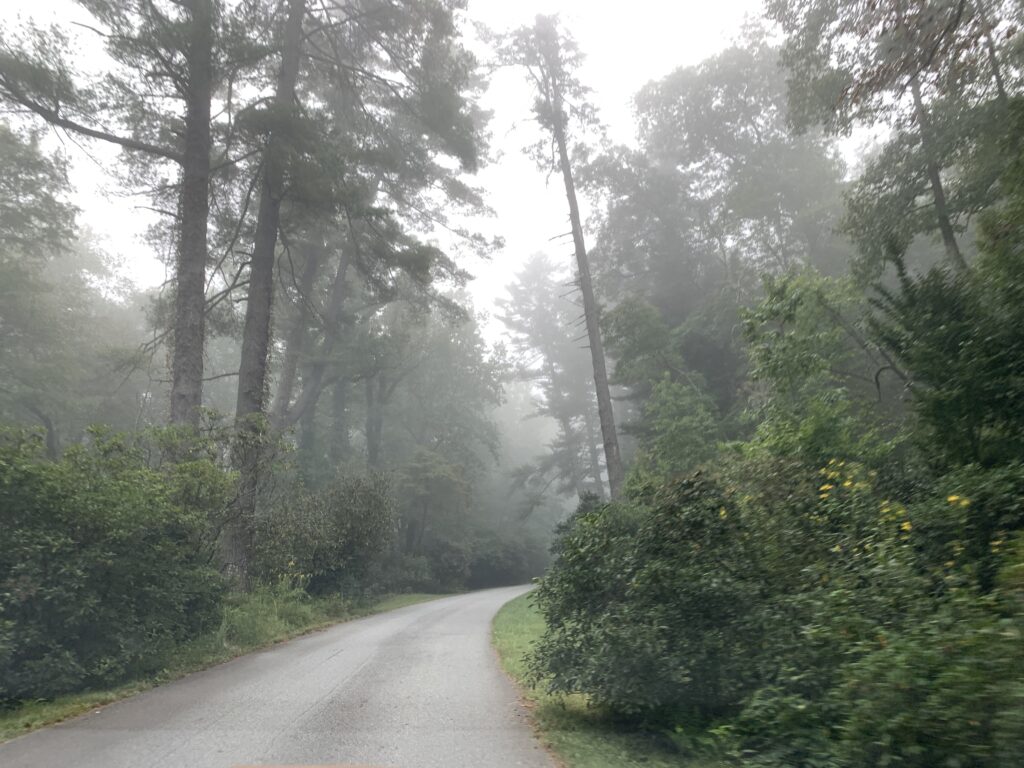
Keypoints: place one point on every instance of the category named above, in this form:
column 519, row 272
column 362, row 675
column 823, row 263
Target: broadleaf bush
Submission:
column 101, row 565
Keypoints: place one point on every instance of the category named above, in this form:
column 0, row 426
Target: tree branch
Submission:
column 53, row 117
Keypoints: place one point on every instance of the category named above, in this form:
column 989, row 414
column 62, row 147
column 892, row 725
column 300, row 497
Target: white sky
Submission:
column 627, row 45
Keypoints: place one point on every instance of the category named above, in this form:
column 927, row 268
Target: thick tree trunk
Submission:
column 190, row 286
column 595, row 461
column 189, row 322
column 250, row 448
column 252, row 372
column 613, row 461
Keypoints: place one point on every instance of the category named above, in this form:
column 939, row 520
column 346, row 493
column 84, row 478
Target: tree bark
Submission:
column 613, row 460
column 595, row 462
column 190, row 287
column 250, row 443
column 252, row 372
column 189, row 322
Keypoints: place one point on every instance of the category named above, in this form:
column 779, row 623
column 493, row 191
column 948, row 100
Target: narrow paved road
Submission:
column 418, row 687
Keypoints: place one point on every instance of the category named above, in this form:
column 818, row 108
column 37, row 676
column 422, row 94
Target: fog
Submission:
column 704, row 321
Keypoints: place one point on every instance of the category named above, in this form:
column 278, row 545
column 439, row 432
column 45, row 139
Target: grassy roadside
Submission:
column 251, row 622
column 578, row 735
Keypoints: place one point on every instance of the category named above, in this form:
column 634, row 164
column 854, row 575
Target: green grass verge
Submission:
column 578, row 735
column 251, row 622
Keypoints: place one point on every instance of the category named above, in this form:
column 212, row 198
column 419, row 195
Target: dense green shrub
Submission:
column 829, row 624
column 692, row 598
column 965, row 524
column 332, row 536
column 101, row 565
column 850, row 580
column 449, row 561
column 945, row 691
column 579, row 598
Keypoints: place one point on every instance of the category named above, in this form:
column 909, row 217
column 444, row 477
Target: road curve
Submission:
column 418, row 687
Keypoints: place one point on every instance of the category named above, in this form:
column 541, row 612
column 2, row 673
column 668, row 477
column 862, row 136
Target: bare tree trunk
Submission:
column 595, row 461
column 193, row 155
column 252, row 373
column 250, row 448
column 613, row 461
column 190, row 285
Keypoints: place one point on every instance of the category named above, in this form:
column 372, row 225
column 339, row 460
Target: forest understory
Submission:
column 753, row 419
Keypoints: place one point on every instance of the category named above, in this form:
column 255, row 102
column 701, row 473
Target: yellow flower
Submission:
column 906, row 526
column 965, row 502
column 826, row 487
column 953, row 499
column 722, row 513
column 847, row 483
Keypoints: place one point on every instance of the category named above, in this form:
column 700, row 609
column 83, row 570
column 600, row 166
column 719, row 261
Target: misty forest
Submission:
column 752, row 420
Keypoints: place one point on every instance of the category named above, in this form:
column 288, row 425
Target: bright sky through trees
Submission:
column 625, row 47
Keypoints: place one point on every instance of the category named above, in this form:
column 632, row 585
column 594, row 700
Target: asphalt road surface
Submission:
column 418, row 687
